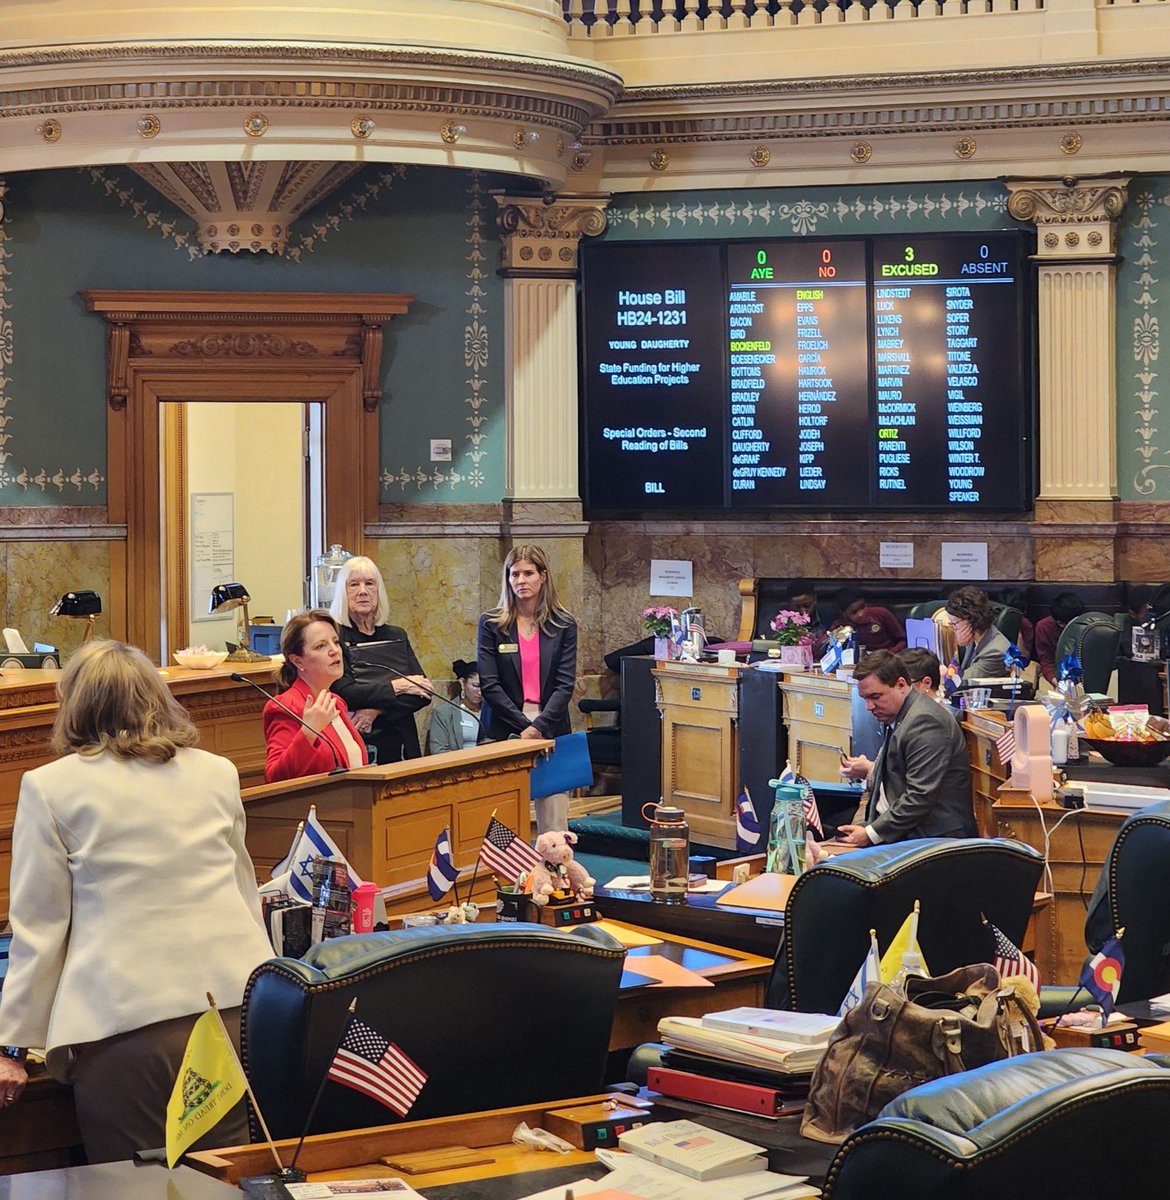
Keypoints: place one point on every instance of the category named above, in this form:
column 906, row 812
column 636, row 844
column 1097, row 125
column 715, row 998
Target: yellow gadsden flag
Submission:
column 210, row 1084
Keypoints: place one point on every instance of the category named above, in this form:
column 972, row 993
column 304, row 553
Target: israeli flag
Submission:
column 747, row 824
column 314, row 842
column 870, row 972
column 443, row 871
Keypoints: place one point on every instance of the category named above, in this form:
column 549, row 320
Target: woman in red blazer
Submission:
column 313, row 661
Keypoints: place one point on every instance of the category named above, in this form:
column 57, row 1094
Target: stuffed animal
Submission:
column 557, row 872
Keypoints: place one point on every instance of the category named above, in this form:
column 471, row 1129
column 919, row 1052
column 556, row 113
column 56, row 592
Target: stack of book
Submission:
column 750, row 1060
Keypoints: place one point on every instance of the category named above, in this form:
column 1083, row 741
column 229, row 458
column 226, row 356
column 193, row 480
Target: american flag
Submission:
column 505, row 854
column 370, row 1063
column 1005, row 745
column 812, row 814
column 1010, row 960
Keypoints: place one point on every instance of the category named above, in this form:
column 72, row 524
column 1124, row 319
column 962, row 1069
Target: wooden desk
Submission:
column 739, row 979
column 1077, row 851
column 818, row 713
column 226, row 713
column 385, row 819
column 117, row 1181
column 41, row 1131
column 699, row 703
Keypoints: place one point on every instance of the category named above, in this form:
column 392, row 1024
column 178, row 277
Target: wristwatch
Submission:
column 16, row 1053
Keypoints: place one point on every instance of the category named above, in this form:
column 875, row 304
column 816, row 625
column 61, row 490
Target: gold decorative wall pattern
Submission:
column 61, row 480
column 1145, row 345
column 476, row 350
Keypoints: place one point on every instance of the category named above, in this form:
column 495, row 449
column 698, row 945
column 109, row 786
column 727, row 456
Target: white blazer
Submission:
column 132, row 897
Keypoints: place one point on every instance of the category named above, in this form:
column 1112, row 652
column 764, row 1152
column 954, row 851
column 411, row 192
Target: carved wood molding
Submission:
column 335, row 325
column 173, row 347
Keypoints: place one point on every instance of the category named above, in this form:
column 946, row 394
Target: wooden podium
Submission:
column 385, row 819
column 226, row 713
column 699, row 703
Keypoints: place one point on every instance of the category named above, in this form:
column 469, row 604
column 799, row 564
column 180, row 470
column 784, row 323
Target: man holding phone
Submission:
column 921, row 781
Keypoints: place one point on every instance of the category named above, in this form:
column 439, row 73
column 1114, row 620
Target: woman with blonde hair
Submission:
column 527, row 658
column 132, row 898
column 381, row 681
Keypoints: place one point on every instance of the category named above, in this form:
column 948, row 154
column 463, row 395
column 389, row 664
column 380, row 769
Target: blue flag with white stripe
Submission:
column 314, row 842
column 443, row 871
column 747, row 824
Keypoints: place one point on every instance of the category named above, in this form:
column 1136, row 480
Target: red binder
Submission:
column 723, row 1093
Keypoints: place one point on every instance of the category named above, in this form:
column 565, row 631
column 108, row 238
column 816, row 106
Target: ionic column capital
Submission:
column 540, row 234
column 1074, row 218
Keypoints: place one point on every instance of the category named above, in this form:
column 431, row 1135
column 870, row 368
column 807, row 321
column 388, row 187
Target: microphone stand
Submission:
column 339, row 768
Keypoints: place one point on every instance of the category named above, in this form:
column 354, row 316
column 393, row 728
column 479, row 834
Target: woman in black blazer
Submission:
column 527, row 658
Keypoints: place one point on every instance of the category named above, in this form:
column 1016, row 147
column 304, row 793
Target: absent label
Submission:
column 896, row 554
column 671, row 577
column 964, row 560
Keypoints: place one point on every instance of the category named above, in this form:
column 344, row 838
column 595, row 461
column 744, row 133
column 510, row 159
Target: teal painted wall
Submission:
column 1143, row 292
column 427, row 232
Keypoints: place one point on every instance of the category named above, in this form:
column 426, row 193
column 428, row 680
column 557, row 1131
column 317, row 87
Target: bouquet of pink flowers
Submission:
column 791, row 628
column 659, row 621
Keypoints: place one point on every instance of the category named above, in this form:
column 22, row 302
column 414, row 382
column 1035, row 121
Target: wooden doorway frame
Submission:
column 233, row 346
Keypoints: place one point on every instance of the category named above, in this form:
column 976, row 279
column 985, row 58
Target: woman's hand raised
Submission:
column 319, row 712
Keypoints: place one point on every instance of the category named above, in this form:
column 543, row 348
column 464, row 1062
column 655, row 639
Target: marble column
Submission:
column 1076, row 252
column 542, row 497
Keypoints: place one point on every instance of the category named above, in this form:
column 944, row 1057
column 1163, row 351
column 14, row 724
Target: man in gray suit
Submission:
column 921, row 781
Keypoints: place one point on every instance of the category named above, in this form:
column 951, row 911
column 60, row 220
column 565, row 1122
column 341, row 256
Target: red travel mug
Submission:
column 363, row 907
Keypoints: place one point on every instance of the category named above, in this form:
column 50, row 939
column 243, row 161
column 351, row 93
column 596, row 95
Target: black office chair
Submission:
column 494, row 1015
column 1044, row 1126
column 1094, row 637
column 1008, row 621
column 605, row 741
column 957, row 881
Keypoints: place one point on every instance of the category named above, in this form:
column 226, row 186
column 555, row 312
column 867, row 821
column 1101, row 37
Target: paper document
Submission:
column 668, row 973
column 627, row 936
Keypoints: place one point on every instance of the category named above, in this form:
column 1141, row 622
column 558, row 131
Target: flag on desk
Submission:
column 505, row 854
column 904, row 950
column 443, row 871
column 747, row 824
column 1009, row 958
column 314, row 842
column 812, row 814
column 1101, row 977
column 210, row 1083
column 369, row 1062
column 1005, row 746
column 951, row 676
column 869, row 972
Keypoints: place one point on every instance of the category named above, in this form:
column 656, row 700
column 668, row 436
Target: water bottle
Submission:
column 787, row 830
column 670, row 853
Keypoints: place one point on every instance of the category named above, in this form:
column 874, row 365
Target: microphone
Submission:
column 339, row 768
column 435, row 695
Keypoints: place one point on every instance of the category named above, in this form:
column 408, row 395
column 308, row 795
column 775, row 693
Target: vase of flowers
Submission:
column 660, row 622
column 791, row 630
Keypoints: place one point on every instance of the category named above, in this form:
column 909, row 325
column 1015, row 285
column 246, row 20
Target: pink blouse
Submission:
column 530, row 667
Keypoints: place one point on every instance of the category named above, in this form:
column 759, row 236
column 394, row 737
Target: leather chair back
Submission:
column 1133, row 894
column 957, row 881
column 1008, row 621
column 1044, row 1126
column 1094, row 637
column 494, row 1015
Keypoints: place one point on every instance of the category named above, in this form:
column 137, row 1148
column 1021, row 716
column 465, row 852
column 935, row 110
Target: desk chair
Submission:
column 495, row 1015
column 1094, row 637
column 1047, row 1126
column 832, row 908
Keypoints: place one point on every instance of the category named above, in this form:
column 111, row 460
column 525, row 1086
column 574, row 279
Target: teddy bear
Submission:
column 557, row 872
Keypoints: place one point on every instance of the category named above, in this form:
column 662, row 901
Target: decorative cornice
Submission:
column 1067, row 201
column 597, row 87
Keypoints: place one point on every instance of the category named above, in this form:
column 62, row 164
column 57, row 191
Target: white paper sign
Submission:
column 440, row 449
column 896, row 554
column 964, row 560
column 671, row 577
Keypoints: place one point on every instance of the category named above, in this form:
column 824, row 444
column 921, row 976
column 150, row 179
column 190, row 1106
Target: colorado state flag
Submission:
column 747, row 824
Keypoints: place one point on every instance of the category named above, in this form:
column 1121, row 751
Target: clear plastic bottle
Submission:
column 787, row 830
column 670, row 853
